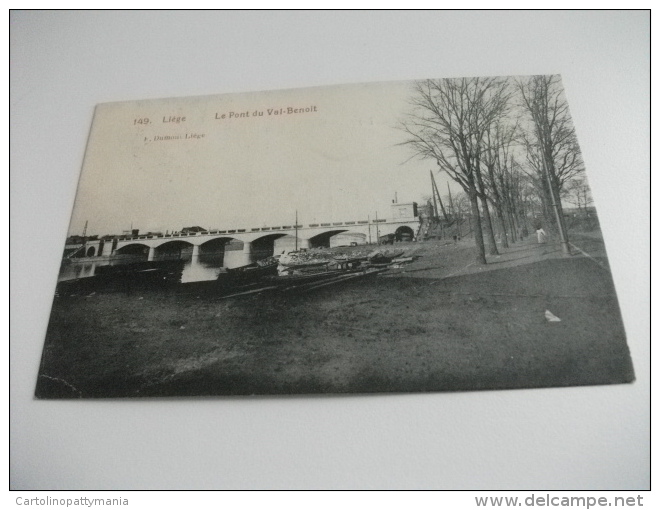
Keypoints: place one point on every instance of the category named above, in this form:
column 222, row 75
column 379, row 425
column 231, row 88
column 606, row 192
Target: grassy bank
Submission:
column 439, row 324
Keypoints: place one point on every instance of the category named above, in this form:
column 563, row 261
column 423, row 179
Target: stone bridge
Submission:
column 259, row 242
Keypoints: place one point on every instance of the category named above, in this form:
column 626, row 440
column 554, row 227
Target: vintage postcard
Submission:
column 434, row 235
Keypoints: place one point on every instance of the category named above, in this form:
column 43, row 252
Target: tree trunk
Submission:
column 514, row 226
column 523, row 218
column 492, row 246
column 559, row 213
column 488, row 223
column 546, row 204
column 501, row 216
column 478, row 234
column 510, row 214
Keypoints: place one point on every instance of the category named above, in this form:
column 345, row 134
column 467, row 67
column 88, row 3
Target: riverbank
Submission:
column 439, row 324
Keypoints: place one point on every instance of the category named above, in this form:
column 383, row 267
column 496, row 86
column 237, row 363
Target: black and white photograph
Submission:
column 329, row 250
column 433, row 235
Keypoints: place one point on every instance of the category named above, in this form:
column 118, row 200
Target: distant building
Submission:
column 80, row 239
column 401, row 211
column 192, row 230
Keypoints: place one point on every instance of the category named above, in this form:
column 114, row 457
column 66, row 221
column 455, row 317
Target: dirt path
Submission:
column 444, row 259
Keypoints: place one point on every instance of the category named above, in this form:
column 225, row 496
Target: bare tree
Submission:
column 578, row 193
column 502, row 179
column 448, row 123
column 462, row 211
column 552, row 148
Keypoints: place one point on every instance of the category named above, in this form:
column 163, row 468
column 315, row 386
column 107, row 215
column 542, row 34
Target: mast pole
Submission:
column 436, row 192
column 84, row 236
column 377, row 232
column 369, row 226
column 435, row 204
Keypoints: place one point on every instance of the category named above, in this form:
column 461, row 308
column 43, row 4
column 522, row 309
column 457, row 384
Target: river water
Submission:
column 195, row 269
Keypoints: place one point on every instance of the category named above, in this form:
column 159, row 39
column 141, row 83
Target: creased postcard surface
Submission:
column 432, row 235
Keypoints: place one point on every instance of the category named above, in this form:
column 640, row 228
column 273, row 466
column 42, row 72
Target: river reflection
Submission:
column 195, row 269
column 199, row 269
column 73, row 270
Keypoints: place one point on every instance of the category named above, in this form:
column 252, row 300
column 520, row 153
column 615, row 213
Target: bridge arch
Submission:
column 135, row 249
column 322, row 240
column 266, row 245
column 175, row 249
column 404, row 233
column 215, row 246
column 392, row 228
column 348, row 238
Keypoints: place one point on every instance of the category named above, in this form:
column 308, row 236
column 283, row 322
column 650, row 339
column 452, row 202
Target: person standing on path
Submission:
column 540, row 235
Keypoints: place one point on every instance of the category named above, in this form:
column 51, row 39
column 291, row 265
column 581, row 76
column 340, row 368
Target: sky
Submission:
column 337, row 158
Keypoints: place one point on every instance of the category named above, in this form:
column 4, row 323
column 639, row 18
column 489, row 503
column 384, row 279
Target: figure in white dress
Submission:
column 541, row 235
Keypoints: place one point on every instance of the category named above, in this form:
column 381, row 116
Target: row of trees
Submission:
column 508, row 142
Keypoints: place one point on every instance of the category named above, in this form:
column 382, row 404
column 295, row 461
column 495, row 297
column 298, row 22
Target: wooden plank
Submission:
column 339, row 280
column 324, row 284
column 313, row 285
column 262, row 289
